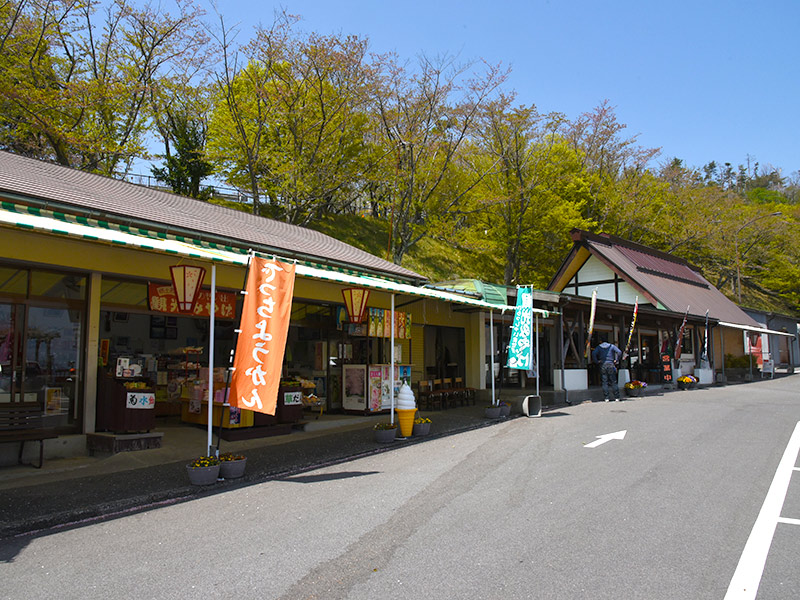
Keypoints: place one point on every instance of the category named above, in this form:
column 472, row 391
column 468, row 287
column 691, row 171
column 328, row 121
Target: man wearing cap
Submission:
column 606, row 355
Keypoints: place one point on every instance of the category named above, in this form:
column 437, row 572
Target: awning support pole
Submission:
column 491, row 346
column 392, row 365
column 212, row 309
column 538, row 366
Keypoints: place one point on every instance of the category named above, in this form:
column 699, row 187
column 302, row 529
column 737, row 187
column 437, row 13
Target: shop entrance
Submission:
column 40, row 347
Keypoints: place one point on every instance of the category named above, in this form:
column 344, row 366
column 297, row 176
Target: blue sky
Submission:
column 702, row 80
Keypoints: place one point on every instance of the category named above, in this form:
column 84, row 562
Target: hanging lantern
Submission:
column 187, row 280
column 355, row 300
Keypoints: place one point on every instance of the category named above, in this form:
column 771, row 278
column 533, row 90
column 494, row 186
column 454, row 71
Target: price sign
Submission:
column 666, row 368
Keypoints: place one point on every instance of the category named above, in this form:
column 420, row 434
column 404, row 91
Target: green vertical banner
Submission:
column 520, row 352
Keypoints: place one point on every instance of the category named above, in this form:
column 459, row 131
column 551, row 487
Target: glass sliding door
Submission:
column 53, row 362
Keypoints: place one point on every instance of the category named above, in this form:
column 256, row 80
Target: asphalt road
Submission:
column 523, row 509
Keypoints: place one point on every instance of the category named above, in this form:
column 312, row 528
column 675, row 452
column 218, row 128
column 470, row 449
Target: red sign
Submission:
column 162, row 298
column 264, row 327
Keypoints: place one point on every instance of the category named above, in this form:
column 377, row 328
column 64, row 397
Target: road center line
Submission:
column 746, row 578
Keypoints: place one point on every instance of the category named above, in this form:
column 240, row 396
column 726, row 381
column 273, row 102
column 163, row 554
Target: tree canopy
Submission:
column 310, row 128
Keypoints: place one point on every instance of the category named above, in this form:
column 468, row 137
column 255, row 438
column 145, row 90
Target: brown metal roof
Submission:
column 671, row 280
column 65, row 189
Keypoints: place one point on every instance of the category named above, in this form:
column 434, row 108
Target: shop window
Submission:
column 13, row 282
column 46, row 284
column 123, row 293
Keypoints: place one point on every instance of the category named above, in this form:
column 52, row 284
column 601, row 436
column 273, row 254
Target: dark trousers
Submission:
column 608, row 376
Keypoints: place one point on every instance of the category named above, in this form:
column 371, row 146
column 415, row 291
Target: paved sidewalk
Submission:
column 68, row 492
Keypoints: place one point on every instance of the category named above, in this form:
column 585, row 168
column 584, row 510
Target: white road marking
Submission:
column 789, row 521
column 746, row 578
column 602, row 439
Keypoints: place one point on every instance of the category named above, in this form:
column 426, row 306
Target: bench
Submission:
column 22, row 422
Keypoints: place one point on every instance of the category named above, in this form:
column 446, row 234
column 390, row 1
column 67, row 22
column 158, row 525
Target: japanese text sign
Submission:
column 262, row 338
column 162, row 298
column 666, row 368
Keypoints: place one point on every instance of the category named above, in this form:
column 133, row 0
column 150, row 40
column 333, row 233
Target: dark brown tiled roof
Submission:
column 670, row 280
column 113, row 200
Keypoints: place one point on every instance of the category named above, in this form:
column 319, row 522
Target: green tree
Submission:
column 423, row 118
column 185, row 165
column 73, row 89
column 532, row 192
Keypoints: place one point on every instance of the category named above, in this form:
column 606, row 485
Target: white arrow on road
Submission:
column 602, row 439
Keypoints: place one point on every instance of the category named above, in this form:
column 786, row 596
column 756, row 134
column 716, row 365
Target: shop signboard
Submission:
column 290, row 398
column 145, row 400
column 666, row 368
column 162, row 298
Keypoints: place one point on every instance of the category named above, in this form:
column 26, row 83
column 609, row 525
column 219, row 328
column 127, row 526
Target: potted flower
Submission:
column 422, row 426
column 385, row 432
column 505, row 409
column 686, row 382
column 231, row 465
column 635, row 388
column 203, row 470
column 493, row 411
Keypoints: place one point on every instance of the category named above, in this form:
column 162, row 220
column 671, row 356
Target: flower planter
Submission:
column 683, row 386
column 634, row 392
column 492, row 412
column 421, row 429
column 384, row 436
column 231, row 469
column 203, row 475
column 505, row 410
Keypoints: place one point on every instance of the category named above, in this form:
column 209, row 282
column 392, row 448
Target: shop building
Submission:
column 87, row 304
column 671, row 293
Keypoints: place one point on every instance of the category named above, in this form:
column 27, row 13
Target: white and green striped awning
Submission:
column 24, row 217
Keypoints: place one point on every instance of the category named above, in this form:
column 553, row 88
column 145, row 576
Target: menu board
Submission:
column 666, row 368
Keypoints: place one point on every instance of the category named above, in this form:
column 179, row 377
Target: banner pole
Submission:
column 536, row 333
column 237, row 309
column 211, row 332
column 491, row 345
column 391, row 367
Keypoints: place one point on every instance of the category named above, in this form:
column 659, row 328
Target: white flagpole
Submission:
column 391, row 366
column 538, row 370
column 491, row 346
column 212, row 310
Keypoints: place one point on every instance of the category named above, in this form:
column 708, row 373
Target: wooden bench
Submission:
column 22, row 422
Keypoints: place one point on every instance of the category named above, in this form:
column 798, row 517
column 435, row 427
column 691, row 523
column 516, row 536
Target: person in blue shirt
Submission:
column 606, row 355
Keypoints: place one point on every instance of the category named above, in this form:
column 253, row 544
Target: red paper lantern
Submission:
column 355, row 300
column 187, row 280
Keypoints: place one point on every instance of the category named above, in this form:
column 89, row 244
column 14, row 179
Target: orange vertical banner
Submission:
column 263, row 328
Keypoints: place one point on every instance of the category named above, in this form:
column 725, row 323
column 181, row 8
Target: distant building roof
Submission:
column 60, row 188
column 664, row 279
column 489, row 292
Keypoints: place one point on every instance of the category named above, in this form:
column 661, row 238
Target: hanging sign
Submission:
column 162, row 298
column 520, row 354
column 261, row 344
column 378, row 324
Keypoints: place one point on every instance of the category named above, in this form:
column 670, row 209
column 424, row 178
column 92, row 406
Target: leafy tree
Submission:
column 422, row 121
column 532, row 192
column 186, row 167
column 608, row 156
column 74, row 89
